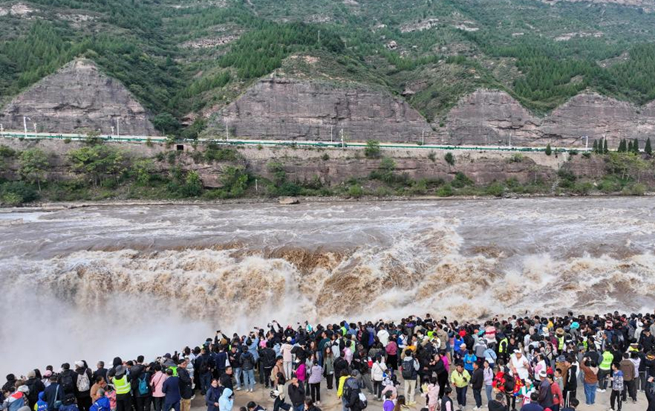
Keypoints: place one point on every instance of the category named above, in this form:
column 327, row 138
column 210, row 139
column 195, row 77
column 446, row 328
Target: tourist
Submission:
column 616, row 398
column 555, row 392
column 477, row 383
column 488, row 375
column 460, row 378
column 296, row 393
column 186, row 385
column 100, row 371
column 315, row 377
column 590, row 371
column 213, row 395
column 171, row 389
column 226, row 402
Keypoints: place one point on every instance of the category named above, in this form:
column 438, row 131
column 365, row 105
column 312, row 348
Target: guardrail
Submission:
column 281, row 143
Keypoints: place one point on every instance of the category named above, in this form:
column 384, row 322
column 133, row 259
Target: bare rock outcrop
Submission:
column 493, row 117
column 78, row 98
column 285, row 108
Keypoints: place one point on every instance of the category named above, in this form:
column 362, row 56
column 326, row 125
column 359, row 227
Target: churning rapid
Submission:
column 147, row 279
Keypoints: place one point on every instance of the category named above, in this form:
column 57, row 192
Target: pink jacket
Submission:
column 301, row 373
column 433, row 394
column 157, row 383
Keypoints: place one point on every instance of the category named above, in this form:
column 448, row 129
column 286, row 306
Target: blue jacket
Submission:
column 41, row 404
column 253, row 348
column 102, row 404
column 171, row 388
column 225, row 402
column 212, row 397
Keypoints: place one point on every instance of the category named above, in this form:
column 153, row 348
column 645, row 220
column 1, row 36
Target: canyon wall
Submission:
column 493, row 117
column 286, row 109
column 76, row 99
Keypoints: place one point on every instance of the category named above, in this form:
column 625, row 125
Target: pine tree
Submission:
column 605, row 149
column 629, row 149
column 549, row 151
column 648, row 149
column 635, row 146
column 621, row 148
column 595, row 149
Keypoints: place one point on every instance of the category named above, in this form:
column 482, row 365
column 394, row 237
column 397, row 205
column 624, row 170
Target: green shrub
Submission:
column 636, row 189
column 432, row 156
column 445, row 191
column 14, row 191
column 419, row 187
column 11, row 199
column 450, row 159
column 461, row 180
column 325, row 157
column 216, row 153
column 7, row 152
column 372, row 149
column 495, row 189
column 355, row 191
column 582, row 188
column 549, row 150
column 235, row 181
column 516, row 158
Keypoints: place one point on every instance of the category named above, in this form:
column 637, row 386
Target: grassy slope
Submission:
column 507, row 44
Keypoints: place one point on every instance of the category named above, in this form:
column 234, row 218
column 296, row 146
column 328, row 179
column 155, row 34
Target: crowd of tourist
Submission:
column 557, row 363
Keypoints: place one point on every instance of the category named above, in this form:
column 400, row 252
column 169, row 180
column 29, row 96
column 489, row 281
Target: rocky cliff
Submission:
column 284, row 108
column 493, row 117
column 78, row 98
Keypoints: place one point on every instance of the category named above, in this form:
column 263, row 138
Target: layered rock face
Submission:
column 78, row 98
column 282, row 108
column 493, row 117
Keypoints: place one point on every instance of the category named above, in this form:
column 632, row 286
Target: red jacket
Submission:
column 557, row 393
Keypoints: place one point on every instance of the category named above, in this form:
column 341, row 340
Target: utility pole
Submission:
column 586, row 142
column 35, row 129
column 330, row 134
column 118, row 127
column 112, row 131
column 256, row 186
column 227, row 135
column 25, row 125
column 423, row 138
column 510, row 140
column 342, row 143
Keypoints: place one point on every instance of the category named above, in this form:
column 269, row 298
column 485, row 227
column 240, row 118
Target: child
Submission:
column 110, row 393
column 389, row 385
column 617, row 387
column 41, row 404
column 432, row 394
column 388, row 404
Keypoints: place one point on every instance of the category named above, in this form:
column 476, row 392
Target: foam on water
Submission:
column 96, row 283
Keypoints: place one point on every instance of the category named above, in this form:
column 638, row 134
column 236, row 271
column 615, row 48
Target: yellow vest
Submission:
column 121, row 385
column 502, row 346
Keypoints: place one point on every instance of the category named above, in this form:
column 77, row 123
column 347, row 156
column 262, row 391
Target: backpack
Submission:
column 143, row 385
column 67, row 382
column 203, row 367
column 408, row 368
column 440, row 367
column 362, row 401
column 510, row 384
column 83, row 382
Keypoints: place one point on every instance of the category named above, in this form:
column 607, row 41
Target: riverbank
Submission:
column 37, row 172
column 57, row 206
